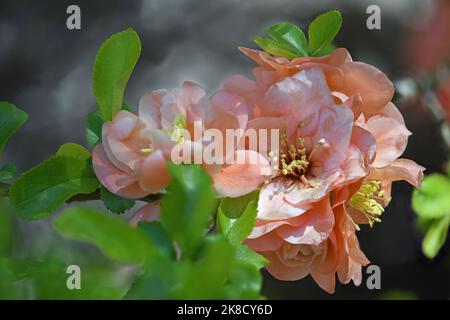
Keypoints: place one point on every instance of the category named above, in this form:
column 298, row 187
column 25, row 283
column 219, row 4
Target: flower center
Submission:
column 178, row 127
column 365, row 201
column 294, row 160
column 176, row 133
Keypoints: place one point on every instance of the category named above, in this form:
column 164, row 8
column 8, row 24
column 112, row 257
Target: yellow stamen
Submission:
column 146, row 150
column 365, row 201
column 294, row 159
column 177, row 130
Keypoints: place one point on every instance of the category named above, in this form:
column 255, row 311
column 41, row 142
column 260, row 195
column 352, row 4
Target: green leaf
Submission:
column 159, row 237
column 234, row 207
column 7, row 172
column 155, row 283
column 290, row 36
column 432, row 200
column 326, row 50
column 97, row 281
column 112, row 235
column 113, row 66
column 126, row 107
column 204, row 278
column 94, row 128
column 274, row 48
column 435, row 237
column 323, row 30
column 4, row 188
column 244, row 282
column 46, row 186
column 114, row 203
column 73, row 150
column 244, row 253
column 186, row 209
column 11, row 119
column 8, row 288
column 237, row 230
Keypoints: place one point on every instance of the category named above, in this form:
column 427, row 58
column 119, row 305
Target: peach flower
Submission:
column 345, row 79
column 341, row 137
column 132, row 158
column 149, row 212
column 135, row 147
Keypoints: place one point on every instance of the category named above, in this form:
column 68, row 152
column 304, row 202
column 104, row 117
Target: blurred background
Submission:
column 46, row 70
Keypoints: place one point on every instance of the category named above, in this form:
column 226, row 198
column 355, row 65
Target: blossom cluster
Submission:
column 330, row 171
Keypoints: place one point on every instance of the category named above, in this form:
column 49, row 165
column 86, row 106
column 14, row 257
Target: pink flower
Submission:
column 149, row 212
column 345, row 79
column 341, row 137
column 338, row 253
column 132, row 158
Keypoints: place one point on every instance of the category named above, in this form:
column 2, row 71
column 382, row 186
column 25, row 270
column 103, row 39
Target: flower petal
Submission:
column 391, row 137
column 153, row 175
column 267, row 242
column 149, row 212
column 282, row 271
column 112, row 177
column 123, row 138
column 236, row 180
column 400, row 169
column 149, row 108
column 317, row 224
column 375, row 88
column 335, row 130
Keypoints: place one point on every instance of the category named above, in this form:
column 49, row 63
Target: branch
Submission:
column 96, row 196
column 4, row 189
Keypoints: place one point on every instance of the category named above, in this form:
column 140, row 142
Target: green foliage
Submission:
column 205, row 277
column 432, row 205
column 163, row 275
column 7, row 171
column 46, row 186
column 114, row 236
column 432, row 199
column 274, row 48
column 237, row 229
column 4, row 188
column 94, row 128
column 6, row 228
column 176, row 258
column 11, row 119
column 159, row 237
column 113, row 66
column 435, row 236
column 398, row 295
column 188, row 205
column 290, row 36
column 234, row 207
column 326, row 50
column 250, row 257
column 114, row 203
column 235, row 220
column 244, row 282
column 323, row 30
column 289, row 41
